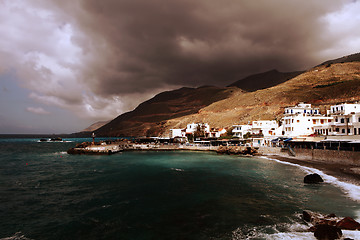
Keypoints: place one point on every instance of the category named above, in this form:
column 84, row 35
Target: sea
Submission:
column 46, row 193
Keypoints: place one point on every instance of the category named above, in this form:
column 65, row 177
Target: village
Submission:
column 301, row 126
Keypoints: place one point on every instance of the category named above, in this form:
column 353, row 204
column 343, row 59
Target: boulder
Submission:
column 307, row 215
column 313, row 178
column 327, row 232
column 348, row 223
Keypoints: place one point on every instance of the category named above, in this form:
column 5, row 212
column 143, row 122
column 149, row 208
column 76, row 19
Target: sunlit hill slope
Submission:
column 332, row 82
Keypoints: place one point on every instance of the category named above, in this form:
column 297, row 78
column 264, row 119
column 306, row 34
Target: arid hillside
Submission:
column 264, row 80
column 148, row 118
column 331, row 82
column 322, row 86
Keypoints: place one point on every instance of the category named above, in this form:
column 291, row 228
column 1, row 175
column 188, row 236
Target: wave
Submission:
column 291, row 231
column 351, row 190
column 17, row 236
column 177, row 169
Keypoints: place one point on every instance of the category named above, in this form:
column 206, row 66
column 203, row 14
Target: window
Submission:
column 336, row 119
column 347, row 120
column 354, row 131
column 322, row 121
column 343, row 130
column 348, row 131
column 359, row 119
column 337, row 130
column 342, row 120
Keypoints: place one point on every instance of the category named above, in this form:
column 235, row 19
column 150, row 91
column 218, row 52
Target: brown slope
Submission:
column 323, row 85
column 350, row 58
column 95, row 126
column 148, row 117
column 264, row 80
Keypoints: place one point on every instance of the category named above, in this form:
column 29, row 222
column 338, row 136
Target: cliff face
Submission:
column 150, row 116
column 330, row 83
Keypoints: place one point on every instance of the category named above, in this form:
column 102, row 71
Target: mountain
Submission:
column 350, row 58
column 149, row 116
column 95, row 126
column 321, row 86
column 332, row 82
column 264, row 80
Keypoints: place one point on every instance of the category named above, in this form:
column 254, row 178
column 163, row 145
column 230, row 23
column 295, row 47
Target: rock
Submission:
column 326, row 232
column 307, row 215
column 348, row 223
column 313, row 178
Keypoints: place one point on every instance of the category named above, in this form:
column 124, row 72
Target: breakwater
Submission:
column 115, row 147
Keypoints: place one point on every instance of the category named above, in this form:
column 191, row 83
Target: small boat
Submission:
column 57, row 139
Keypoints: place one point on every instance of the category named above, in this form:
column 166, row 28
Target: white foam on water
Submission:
column 294, row 231
column 16, row 236
column 177, row 169
column 351, row 190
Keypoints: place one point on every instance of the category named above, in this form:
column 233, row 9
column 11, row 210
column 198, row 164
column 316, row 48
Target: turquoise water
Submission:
column 48, row 194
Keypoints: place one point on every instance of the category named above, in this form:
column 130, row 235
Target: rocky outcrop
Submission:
column 234, row 150
column 327, row 232
column 313, row 178
column 348, row 223
column 329, row 226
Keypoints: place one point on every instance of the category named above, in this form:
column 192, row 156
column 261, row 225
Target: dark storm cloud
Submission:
column 145, row 45
column 99, row 59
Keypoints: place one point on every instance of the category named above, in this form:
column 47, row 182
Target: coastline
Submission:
column 343, row 172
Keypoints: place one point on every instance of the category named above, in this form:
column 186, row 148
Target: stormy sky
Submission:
column 66, row 64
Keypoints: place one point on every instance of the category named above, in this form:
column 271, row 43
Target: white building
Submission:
column 346, row 120
column 301, row 108
column 193, row 127
column 216, row 132
column 301, row 120
column 241, row 130
column 266, row 127
column 176, row 133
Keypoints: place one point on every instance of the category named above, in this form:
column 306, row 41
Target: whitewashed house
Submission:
column 240, row 130
column 216, row 132
column 346, row 120
column 302, row 119
column 264, row 127
column 193, row 127
column 177, row 133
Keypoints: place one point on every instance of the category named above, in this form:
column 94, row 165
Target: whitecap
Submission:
column 178, row 169
column 17, row 236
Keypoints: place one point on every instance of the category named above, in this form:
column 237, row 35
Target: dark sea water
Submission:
column 47, row 194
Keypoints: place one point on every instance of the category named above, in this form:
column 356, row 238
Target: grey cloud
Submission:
column 142, row 45
column 101, row 58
